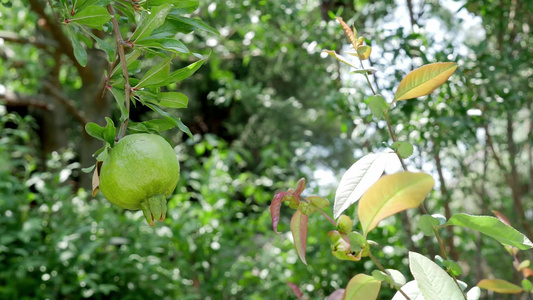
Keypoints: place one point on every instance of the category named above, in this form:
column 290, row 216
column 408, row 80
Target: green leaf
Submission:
column 494, row 228
column 173, row 100
column 196, row 23
column 299, row 233
column 131, row 58
column 92, row 16
column 156, row 74
column 362, row 286
column 453, row 267
column 364, row 52
column 109, row 132
column 183, row 6
column 95, row 130
column 424, row 80
column 306, row 208
column 185, row 72
column 169, row 44
column 433, row 282
column 397, row 278
column 378, row 106
column 108, row 48
column 151, row 21
column 499, row 286
column 88, row 169
column 404, row 149
column 318, row 201
column 344, row 224
column 527, row 285
column 120, row 98
column 79, row 51
column 427, row 223
column 176, row 121
column 392, row 194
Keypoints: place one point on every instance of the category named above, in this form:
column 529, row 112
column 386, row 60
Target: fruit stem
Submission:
column 154, row 208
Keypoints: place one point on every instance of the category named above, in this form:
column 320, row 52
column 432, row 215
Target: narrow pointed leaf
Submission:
column 348, row 31
column 340, row 58
column 424, row 80
column 392, row 194
column 359, row 177
column 120, row 98
column 151, row 21
column 299, row 233
column 175, row 120
column 92, row 16
column 494, row 228
column 79, row 51
column 295, row 289
column 499, row 286
column 362, row 286
column 275, row 208
column 185, row 72
column 433, row 282
column 173, row 100
column 155, row 74
column 196, row 23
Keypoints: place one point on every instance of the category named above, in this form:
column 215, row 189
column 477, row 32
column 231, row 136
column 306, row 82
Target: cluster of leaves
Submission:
column 380, row 196
column 153, row 40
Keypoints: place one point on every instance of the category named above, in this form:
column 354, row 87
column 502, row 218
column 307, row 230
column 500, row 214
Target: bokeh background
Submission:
column 265, row 110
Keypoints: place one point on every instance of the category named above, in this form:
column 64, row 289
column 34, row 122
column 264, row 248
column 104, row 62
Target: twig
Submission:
column 127, row 87
column 15, row 99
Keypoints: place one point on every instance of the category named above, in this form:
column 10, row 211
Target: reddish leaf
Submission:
column 275, row 208
column 299, row 233
column 501, row 217
column 527, row 272
column 499, row 286
column 295, row 289
column 336, row 295
column 299, row 187
column 349, row 33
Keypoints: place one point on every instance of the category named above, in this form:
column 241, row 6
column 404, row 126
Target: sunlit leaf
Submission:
column 494, row 228
column 358, row 178
column 196, row 23
column 473, row 294
column 362, row 286
column 433, row 282
column 299, row 233
column 336, row 295
column 92, row 16
column 340, row 58
column 411, row 290
column 499, row 286
column 424, row 80
column 151, row 21
column 185, row 72
column 392, row 194
column 364, row 52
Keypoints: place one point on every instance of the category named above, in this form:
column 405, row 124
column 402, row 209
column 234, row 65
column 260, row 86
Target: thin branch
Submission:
column 127, row 87
column 15, row 99
column 394, row 140
column 65, row 101
column 13, row 37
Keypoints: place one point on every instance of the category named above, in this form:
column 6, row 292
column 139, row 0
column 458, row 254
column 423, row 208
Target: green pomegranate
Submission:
column 140, row 172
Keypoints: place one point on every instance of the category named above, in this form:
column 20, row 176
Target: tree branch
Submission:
column 65, row 101
column 15, row 99
column 15, row 38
